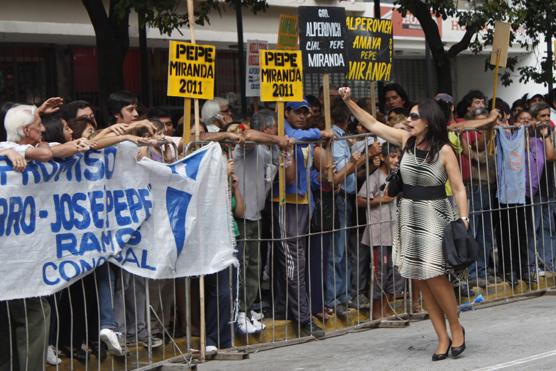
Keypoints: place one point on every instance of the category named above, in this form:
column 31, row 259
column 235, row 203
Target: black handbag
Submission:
column 324, row 217
column 460, row 247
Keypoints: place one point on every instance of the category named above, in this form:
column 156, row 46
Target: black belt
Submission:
column 420, row 193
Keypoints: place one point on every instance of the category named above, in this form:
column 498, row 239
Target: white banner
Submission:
column 253, row 82
column 60, row 220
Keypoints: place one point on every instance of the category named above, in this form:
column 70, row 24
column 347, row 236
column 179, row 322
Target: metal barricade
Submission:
column 319, row 265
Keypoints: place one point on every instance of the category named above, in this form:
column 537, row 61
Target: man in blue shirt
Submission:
column 293, row 222
column 339, row 267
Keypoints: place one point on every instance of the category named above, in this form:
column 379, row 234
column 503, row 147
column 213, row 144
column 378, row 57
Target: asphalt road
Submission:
column 514, row 336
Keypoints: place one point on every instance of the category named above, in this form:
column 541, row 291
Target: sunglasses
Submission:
column 414, row 116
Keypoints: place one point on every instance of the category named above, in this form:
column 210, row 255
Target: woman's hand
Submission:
column 51, row 105
column 345, row 93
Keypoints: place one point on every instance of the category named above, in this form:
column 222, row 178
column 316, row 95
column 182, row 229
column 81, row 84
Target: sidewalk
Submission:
column 495, row 335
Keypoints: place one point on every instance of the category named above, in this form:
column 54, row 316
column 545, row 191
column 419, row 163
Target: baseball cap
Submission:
column 297, row 105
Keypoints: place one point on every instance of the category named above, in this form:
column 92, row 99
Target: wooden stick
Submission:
column 203, row 337
column 186, row 121
column 327, row 121
column 281, row 169
column 495, row 79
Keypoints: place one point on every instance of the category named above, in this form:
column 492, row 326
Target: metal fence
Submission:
column 319, row 265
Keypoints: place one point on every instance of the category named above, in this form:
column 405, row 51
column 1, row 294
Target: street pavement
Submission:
column 514, row 336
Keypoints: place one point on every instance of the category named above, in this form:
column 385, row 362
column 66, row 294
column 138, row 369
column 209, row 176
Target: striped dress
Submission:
column 417, row 241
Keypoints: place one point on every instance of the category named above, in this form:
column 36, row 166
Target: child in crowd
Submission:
column 381, row 221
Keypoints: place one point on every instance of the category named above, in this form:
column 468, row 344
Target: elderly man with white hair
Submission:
column 24, row 131
column 26, row 331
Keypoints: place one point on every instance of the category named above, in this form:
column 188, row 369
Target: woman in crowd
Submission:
column 425, row 211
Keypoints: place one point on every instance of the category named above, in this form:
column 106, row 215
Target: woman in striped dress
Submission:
column 424, row 211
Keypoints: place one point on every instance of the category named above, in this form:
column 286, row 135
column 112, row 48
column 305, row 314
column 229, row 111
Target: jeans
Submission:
column 482, row 225
column 106, row 279
column 545, row 222
column 338, row 266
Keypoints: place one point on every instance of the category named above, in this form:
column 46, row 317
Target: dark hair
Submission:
column 157, row 112
column 446, row 108
column 3, row 110
column 437, row 133
column 468, row 99
column 399, row 111
column 69, row 110
column 538, row 95
column 313, row 101
column 340, row 112
column 519, row 103
column 501, row 105
column 78, row 126
column 117, row 101
column 54, row 128
column 316, row 122
column 388, row 148
column 399, row 90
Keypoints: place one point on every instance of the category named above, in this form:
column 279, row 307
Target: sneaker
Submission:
column 312, row 328
column 258, row 324
column 110, row 338
column 244, row 324
column 210, row 349
column 52, row 356
column 156, row 342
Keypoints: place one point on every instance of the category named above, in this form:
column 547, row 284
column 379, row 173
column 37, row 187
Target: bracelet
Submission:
column 464, row 218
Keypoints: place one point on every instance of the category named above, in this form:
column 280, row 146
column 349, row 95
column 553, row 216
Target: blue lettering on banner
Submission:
column 17, row 215
column 91, row 166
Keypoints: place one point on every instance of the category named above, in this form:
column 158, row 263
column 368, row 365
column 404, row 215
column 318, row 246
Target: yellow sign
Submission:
column 281, row 75
column 287, row 32
column 191, row 70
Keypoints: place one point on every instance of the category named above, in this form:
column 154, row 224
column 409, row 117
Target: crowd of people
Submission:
column 333, row 244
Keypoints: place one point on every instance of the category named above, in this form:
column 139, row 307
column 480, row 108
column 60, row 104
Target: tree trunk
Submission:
column 443, row 67
column 112, row 42
column 110, row 65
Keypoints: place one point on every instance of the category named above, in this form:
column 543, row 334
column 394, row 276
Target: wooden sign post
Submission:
column 498, row 58
column 191, row 70
column 281, row 81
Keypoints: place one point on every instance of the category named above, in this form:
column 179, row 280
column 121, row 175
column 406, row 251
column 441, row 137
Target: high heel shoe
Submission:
column 456, row 351
column 440, row 357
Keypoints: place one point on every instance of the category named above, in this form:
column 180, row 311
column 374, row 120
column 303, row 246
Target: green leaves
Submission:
column 170, row 15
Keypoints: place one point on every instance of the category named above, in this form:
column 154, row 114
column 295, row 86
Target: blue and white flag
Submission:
column 60, row 220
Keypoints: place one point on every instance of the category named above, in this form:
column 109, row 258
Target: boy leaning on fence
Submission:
column 381, row 221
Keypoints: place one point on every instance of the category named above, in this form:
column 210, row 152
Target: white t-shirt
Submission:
column 19, row 148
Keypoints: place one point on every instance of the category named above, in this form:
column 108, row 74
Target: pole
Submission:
column 550, row 61
column 202, row 326
column 495, row 78
column 146, row 93
column 241, row 56
column 380, row 84
column 327, row 120
column 281, row 169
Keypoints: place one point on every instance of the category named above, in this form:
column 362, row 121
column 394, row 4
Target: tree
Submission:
column 529, row 20
column 111, row 27
column 536, row 17
column 473, row 19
